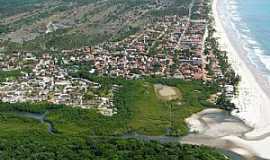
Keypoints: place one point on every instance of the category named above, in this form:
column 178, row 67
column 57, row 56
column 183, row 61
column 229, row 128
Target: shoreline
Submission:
column 252, row 100
column 209, row 128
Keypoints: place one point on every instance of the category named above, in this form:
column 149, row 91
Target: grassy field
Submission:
column 154, row 116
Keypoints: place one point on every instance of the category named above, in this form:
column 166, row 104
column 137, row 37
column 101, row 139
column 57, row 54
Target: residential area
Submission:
column 45, row 81
column 167, row 47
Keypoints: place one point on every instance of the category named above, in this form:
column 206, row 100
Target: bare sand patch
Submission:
column 167, row 93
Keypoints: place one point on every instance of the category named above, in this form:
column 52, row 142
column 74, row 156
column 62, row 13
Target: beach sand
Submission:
column 252, row 101
column 211, row 127
column 217, row 128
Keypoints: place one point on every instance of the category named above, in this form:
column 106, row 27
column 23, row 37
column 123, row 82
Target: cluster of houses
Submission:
column 170, row 47
column 46, row 81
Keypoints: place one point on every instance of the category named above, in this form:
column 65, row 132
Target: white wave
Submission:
column 244, row 36
column 253, row 42
column 236, row 18
column 233, row 7
column 232, row 2
column 235, row 30
column 265, row 59
column 245, row 30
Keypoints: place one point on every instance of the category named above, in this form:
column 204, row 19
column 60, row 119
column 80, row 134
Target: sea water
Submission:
column 250, row 22
column 250, row 19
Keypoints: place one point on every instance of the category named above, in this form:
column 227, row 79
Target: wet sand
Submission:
column 211, row 126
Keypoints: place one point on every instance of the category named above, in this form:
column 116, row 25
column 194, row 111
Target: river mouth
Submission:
column 41, row 117
column 211, row 127
column 208, row 127
column 214, row 124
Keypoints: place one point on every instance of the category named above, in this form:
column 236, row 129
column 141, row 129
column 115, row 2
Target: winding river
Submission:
column 212, row 125
column 41, row 117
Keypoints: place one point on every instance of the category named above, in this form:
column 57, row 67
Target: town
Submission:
column 168, row 47
column 171, row 48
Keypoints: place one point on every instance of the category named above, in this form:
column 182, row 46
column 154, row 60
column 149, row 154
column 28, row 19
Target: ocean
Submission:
column 249, row 24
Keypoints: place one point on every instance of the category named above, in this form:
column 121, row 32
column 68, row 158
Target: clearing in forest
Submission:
column 167, row 93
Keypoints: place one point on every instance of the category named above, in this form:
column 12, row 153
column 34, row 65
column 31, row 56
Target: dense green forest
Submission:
column 76, row 148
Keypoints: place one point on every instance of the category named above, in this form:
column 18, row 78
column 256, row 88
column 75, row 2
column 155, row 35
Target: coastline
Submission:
column 252, row 101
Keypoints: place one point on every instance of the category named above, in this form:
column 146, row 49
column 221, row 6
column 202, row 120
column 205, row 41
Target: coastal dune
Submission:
column 253, row 104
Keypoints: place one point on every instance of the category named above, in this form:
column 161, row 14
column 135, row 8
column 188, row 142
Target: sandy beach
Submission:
column 211, row 127
column 252, row 101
